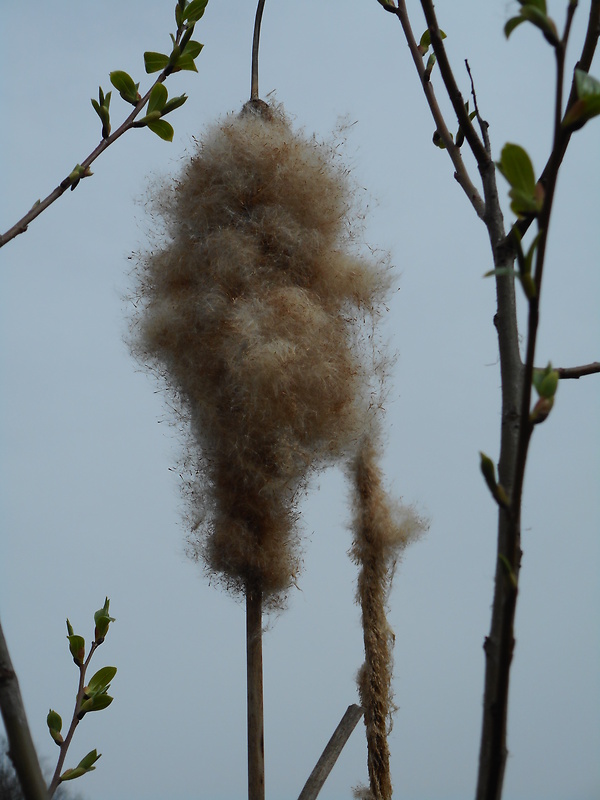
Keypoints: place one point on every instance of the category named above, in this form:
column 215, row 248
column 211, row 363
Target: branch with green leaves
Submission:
column 531, row 201
column 155, row 103
column 91, row 696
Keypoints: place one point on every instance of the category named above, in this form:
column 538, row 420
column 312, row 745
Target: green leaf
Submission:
column 91, row 758
column 540, row 4
column 151, row 117
column 85, row 765
column 162, row 128
column 194, row 12
column 102, row 621
column 126, row 86
column 545, row 381
column 54, row 722
column 100, row 681
column 515, row 165
column 192, row 49
column 174, row 103
column 512, row 23
column 69, row 628
column 155, row 62
column 158, row 98
column 488, row 471
column 523, row 204
column 77, row 648
column 534, row 11
column 587, row 85
column 185, row 62
column 587, row 105
column 96, row 703
column 102, row 111
column 425, row 41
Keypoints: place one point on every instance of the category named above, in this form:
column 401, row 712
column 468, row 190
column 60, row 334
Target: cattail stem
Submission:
column 255, row 43
column 331, row 753
column 256, row 744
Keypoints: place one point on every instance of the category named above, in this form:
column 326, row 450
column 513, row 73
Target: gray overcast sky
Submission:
column 90, row 504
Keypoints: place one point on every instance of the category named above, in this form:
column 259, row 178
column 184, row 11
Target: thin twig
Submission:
column 64, row 746
column 461, row 174
column 565, row 373
column 585, row 61
column 454, row 94
column 483, row 125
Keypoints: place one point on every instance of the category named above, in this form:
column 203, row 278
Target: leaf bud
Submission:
column 77, row 648
column 54, row 722
column 541, row 410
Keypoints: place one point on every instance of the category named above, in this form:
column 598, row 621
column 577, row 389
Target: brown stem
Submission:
column 331, row 753
column 564, row 135
column 64, row 747
column 454, row 94
column 254, row 671
column 578, row 372
column 255, row 47
column 461, row 175
column 21, row 748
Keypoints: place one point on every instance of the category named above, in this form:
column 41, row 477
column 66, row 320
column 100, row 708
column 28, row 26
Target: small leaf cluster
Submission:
column 534, row 11
column 488, row 470
column 85, row 765
column 545, row 382
column 92, row 696
column 587, row 104
column 527, row 195
column 423, row 48
column 184, row 51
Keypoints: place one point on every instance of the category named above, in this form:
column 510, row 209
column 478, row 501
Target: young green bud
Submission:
column 77, row 649
column 102, row 621
column 54, row 722
column 488, row 471
column 541, row 410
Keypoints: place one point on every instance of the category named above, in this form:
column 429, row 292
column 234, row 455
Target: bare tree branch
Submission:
column 21, row 748
column 575, row 373
column 461, row 175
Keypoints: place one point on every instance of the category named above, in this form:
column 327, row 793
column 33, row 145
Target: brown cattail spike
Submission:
column 253, row 311
column 381, row 532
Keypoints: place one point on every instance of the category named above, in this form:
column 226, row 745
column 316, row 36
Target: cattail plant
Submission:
column 258, row 310
column 382, row 530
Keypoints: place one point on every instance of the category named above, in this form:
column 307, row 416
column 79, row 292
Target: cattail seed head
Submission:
column 253, row 311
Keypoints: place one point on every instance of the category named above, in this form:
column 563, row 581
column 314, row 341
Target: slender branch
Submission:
column 454, row 94
column 68, row 183
column 575, row 373
column 585, row 61
column 499, row 646
column 255, row 47
column 483, row 125
column 461, row 174
column 76, row 719
column 534, row 302
column 21, row 748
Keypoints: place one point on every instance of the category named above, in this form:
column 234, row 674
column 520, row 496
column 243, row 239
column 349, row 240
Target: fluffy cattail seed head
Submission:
column 252, row 310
